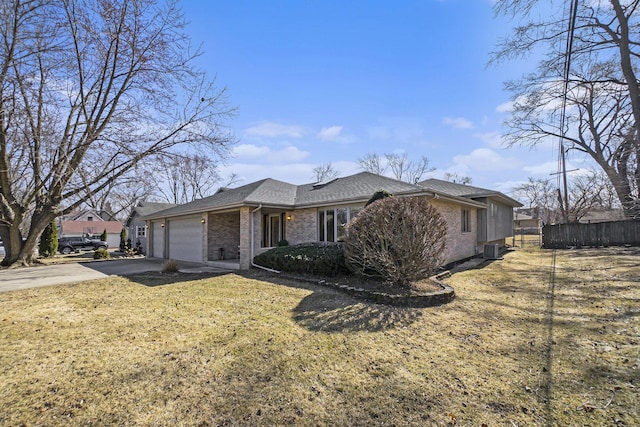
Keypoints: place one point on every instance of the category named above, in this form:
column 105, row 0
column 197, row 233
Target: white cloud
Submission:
column 491, row 139
column 545, row 168
column 484, row 160
column 330, row 133
column 272, row 130
column 264, row 154
column 458, row 122
column 505, row 107
column 294, row 173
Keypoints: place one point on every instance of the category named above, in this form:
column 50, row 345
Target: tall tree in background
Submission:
column 88, row 90
column 324, row 172
column 184, row 178
column 603, row 98
column 587, row 191
column 402, row 168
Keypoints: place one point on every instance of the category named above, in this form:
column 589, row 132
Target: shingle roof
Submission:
column 354, row 187
column 466, row 191
column 266, row 191
column 147, row 208
column 274, row 193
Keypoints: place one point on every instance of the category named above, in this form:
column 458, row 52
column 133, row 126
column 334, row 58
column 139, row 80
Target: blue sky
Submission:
column 331, row 81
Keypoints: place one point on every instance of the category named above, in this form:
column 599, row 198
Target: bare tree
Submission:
column 408, row 170
column 120, row 195
column 185, row 178
column 587, row 191
column 454, row 177
column 603, row 96
column 89, row 90
column 402, row 168
column 324, row 172
column 372, row 163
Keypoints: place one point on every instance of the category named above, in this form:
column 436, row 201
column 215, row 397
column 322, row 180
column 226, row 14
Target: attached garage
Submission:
column 185, row 239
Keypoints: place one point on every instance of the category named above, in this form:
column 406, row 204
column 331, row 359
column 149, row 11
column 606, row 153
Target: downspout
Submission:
column 252, row 239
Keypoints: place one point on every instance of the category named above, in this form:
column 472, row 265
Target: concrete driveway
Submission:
column 58, row 274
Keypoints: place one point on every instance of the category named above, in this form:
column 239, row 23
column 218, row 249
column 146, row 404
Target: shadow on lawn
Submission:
column 152, row 279
column 328, row 310
column 321, row 311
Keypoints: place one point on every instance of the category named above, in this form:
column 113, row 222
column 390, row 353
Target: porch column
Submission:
column 245, row 238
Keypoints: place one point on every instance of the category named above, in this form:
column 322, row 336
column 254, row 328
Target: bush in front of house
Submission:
column 170, row 266
column 398, row 239
column 317, row 258
column 101, row 254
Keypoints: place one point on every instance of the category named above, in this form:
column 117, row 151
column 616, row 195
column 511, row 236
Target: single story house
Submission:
column 136, row 227
column 88, row 223
column 524, row 223
column 239, row 223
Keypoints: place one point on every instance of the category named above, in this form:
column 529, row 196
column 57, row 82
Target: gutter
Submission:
column 253, row 264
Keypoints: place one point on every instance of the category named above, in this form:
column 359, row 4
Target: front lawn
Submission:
column 514, row 348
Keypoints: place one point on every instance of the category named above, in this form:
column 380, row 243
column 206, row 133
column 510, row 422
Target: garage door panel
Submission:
column 185, row 239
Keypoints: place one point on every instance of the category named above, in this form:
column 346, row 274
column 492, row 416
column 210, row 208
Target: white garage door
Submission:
column 158, row 240
column 185, row 239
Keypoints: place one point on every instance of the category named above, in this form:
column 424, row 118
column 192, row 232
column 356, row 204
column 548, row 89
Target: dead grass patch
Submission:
column 514, row 348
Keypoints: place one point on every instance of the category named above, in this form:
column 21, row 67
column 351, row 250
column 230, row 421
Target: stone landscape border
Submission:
column 430, row 299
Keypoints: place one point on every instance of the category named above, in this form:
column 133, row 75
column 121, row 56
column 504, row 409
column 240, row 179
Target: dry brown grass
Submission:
column 512, row 349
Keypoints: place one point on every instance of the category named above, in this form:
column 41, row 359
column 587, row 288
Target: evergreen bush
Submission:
column 49, row 240
column 123, row 240
column 319, row 258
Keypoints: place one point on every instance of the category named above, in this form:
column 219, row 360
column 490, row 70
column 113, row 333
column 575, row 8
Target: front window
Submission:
column 141, row 231
column 466, row 221
column 332, row 223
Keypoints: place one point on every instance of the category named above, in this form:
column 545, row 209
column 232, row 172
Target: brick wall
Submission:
column 223, row 232
column 459, row 245
column 303, row 226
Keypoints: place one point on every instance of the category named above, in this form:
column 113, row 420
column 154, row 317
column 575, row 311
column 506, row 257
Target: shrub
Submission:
column 48, row 245
column 319, row 258
column 101, row 254
column 123, row 239
column 400, row 240
column 170, row 266
column 283, row 242
column 103, row 236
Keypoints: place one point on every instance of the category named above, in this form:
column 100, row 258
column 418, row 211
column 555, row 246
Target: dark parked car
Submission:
column 66, row 245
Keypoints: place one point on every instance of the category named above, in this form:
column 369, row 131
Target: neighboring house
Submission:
column 603, row 215
column 523, row 223
column 239, row 223
column 136, row 227
column 90, row 224
column 495, row 222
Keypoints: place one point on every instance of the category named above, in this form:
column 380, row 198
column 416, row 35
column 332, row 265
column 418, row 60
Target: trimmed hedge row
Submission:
column 325, row 259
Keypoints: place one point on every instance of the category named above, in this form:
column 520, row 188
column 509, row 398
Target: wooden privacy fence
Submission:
column 612, row 233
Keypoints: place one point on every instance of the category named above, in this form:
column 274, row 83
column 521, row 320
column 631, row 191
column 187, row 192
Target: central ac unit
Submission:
column 491, row 251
